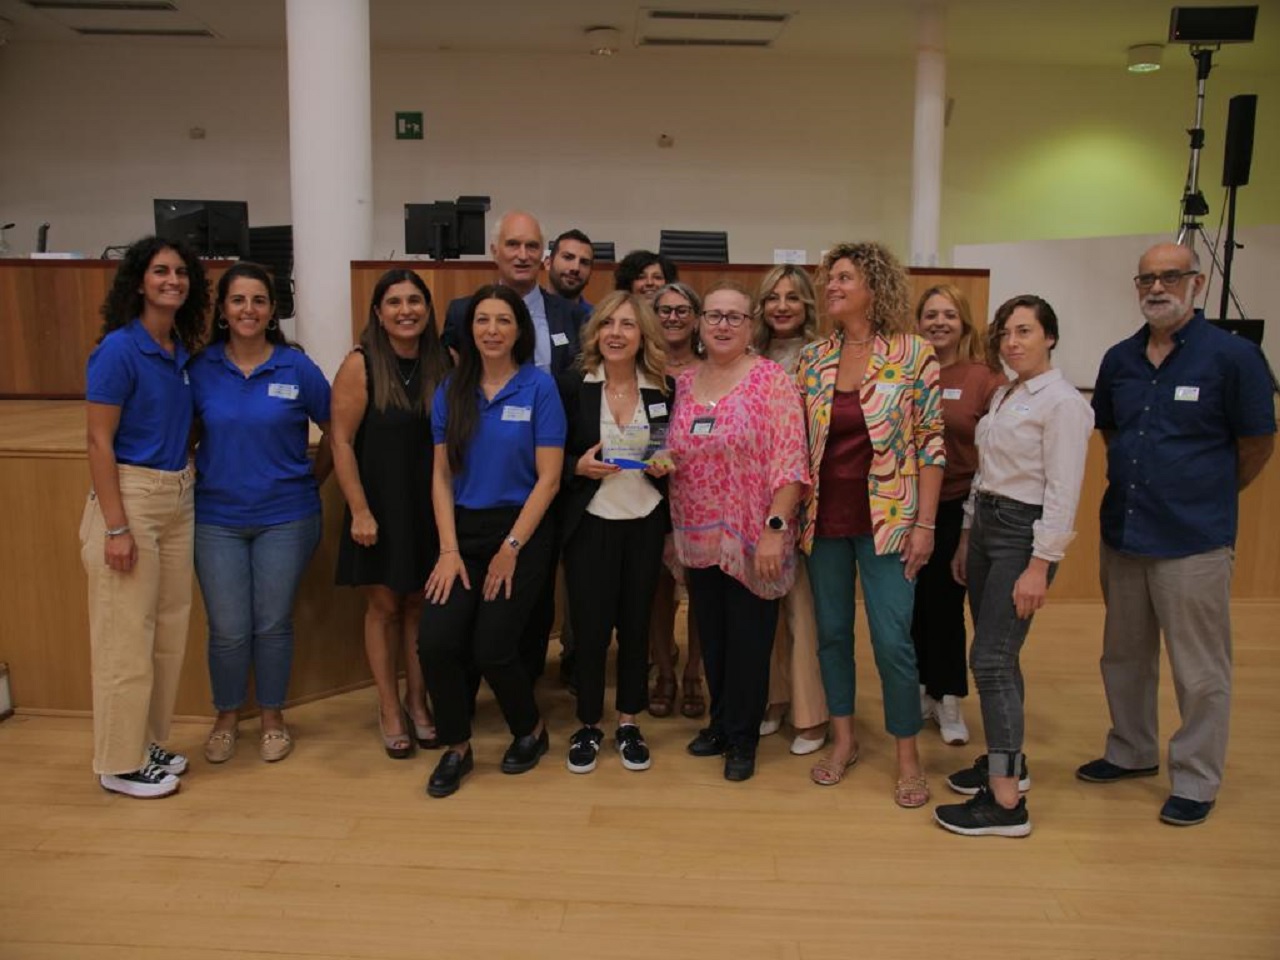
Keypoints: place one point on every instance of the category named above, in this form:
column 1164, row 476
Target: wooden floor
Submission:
column 336, row 852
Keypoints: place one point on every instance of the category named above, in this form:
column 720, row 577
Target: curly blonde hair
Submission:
column 652, row 356
column 884, row 276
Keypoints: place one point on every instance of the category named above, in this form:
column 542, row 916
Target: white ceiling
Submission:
column 1077, row 32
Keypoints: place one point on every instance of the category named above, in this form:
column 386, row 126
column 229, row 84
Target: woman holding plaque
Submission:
column 613, row 515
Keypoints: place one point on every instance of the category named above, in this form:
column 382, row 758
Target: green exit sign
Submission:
column 409, row 125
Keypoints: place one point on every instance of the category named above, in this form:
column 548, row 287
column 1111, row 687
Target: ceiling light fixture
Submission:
column 603, row 41
column 1145, row 57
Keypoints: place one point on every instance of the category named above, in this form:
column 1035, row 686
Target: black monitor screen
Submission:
column 212, row 228
column 445, row 230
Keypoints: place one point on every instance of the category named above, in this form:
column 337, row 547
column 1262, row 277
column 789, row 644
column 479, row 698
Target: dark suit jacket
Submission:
column 563, row 318
column 582, row 412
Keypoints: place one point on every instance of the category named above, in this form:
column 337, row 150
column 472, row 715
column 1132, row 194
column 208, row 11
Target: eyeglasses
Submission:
column 1170, row 278
column 732, row 318
column 684, row 312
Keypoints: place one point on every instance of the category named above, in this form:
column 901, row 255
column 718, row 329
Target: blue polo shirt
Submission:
column 129, row 370
column 1171, row 463
column 251, row 466
column 500, row 469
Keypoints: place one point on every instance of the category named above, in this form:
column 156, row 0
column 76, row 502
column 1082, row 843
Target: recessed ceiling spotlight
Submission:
column 603, row 41
column 1145, row 57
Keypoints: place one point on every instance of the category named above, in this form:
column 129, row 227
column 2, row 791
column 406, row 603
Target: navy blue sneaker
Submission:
column 1103, row 770
column 1182, row 812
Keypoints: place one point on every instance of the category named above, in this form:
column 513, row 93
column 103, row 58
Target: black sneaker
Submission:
column 631, row 747
column 174, row 763
column 972, row 779
column 983, row 816
column 146, row 783
column 708, row 743
column 583, row 747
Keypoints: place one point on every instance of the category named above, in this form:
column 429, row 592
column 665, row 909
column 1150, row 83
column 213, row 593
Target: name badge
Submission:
column 560, row 339
column 285, row 391
column 702, row 426
column 1190, row 394
column 1022, row 409
column 887, row 387
column 517, row 414
column 952, row 393
column 657, row 409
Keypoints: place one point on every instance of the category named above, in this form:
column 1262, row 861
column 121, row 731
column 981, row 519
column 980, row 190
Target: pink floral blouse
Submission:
column 731, row 457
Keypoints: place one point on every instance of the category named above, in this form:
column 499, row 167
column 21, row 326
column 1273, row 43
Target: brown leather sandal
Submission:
column 693, row 704
column 662, row 697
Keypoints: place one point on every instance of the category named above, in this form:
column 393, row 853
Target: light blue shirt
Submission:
column 542, row 333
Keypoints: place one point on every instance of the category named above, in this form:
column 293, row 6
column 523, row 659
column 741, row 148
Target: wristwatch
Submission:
column 775, row 522
column 514, row 544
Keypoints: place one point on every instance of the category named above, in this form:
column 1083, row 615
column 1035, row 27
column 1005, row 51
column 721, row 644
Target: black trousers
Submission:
column 938, row 625
column 467, row 630
column 736, row 628
column 611, row 571
column 542, row 617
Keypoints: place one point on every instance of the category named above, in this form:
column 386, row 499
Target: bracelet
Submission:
column 926, row 526
column 118, row 531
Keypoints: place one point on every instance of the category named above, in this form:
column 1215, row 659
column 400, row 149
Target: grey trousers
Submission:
column 1188, row 600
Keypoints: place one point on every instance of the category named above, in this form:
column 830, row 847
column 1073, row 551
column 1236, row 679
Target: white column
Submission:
column 926, row 160
column 330, row 166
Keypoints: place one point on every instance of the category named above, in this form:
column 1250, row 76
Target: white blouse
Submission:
column 627, row 494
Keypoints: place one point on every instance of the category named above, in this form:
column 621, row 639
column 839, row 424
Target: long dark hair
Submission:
column 124, row 299
column 388, row 388
column 461, row 387
column 248, row 271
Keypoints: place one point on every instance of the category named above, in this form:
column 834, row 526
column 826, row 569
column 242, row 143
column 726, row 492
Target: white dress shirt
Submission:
column 1031, row 448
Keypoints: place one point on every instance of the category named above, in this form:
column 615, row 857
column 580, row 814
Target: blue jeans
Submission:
column 999, row 550
column 249, row 577
column 890, row 598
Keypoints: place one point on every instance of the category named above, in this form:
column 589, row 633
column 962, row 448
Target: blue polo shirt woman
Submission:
column 499, row 431
column 136, row 531
column 257, row 502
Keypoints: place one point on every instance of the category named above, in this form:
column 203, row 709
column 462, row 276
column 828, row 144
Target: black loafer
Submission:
column 522, row 756
column 708, row 743
column 448, row 774
column 739, row 765
column 1183, row 812
column 1103, row 770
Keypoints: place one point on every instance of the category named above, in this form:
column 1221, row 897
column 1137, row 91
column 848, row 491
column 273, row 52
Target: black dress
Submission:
column 393, row 452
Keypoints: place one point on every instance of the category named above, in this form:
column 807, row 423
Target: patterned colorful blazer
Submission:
column 902, row 403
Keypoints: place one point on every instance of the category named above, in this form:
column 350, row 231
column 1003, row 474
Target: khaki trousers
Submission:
column 794, row 674
column 138, row 620
column 1188, row 600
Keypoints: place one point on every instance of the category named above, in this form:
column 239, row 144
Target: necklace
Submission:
column 628, row 389
column 406, row 377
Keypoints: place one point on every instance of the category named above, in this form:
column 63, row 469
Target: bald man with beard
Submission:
column 1188, row 415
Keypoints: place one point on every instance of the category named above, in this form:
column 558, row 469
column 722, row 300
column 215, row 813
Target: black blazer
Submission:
column 563, row 317
column 582, row 413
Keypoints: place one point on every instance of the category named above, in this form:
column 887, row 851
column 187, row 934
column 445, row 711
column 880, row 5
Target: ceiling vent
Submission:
column 126, row 6
column 141, row 32
column 122, row 18
column 709, row 28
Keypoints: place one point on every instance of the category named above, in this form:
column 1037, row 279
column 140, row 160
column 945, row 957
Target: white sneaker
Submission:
column 951, row 721
column 928, row 705
column 148, row 782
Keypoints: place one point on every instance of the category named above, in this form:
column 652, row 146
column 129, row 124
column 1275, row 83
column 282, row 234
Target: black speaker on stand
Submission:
column 1236, row 161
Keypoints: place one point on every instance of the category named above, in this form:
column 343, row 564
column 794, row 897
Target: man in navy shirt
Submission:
column 569, row 263
column 1188, row 415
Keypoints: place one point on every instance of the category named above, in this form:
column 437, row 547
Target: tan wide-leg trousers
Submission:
column 794, row 674
column 138, row 620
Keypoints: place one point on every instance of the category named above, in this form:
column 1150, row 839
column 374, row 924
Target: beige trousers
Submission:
column 138, row 620
column 794, row 674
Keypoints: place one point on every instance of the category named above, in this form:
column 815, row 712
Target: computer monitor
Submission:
column 446, row 229
column 212, row 228
column 603, row 251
